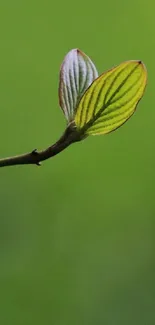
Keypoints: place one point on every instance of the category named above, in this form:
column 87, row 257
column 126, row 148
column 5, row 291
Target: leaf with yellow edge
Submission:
column 111, row 99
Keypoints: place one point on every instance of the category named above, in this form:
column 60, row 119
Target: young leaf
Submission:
column 111, row 99
column 76, row 75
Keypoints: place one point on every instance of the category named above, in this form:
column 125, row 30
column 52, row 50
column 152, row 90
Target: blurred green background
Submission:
column 77, row 234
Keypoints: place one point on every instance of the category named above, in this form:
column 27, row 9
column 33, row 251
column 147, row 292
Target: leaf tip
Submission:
column 144, row 69
column 141, row 63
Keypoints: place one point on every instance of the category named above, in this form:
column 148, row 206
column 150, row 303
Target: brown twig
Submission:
column 34, row 157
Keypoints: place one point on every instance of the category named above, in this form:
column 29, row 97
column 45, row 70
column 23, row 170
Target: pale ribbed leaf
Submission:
column 111, row 99
column 76, row 75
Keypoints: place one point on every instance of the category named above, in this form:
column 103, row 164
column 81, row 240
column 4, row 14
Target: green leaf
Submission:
column 111, row 99
column 76, row 75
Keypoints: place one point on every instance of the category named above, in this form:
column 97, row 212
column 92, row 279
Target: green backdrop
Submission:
column 77, row 234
